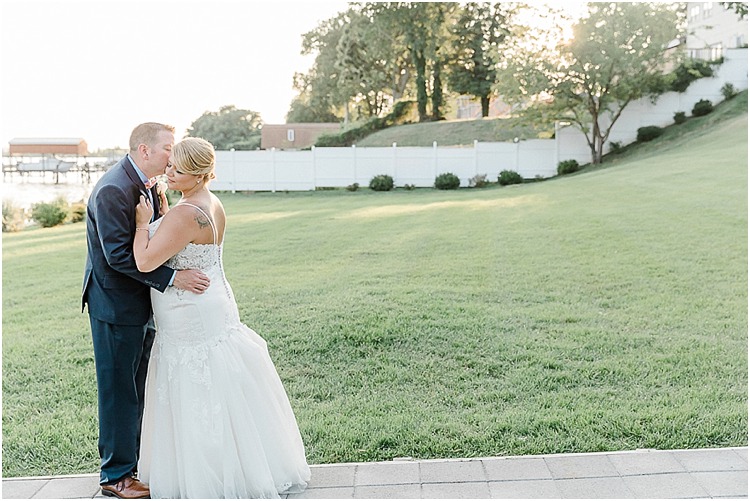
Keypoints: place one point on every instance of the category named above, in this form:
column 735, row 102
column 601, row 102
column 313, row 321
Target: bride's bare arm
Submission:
column 178, row 229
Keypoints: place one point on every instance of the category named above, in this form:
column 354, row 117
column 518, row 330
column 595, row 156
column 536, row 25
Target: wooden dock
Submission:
column 55, row 168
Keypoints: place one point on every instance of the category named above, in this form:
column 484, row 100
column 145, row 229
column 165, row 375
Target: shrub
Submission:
column 688, row 72
column 50, row 214
column 383, row 182
column 680, row 117
column 702, row 107
column 507, row 177
column 447, row 181
column 353, row 187
column 728, row 91
column 478, row 181
column 13, row 217
column 77, row 212
column 648, row 133
column 567, row 167
column 409, row 187
column 615, row 147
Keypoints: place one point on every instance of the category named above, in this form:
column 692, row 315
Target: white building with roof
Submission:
column 712, row 28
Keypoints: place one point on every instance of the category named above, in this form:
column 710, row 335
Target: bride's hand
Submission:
column 143, row 212
column 161, row 190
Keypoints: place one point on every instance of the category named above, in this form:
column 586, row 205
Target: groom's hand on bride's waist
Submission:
column 194, row 281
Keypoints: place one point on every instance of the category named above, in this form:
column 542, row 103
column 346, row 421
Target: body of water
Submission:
column 28, row 188
column 24, row 191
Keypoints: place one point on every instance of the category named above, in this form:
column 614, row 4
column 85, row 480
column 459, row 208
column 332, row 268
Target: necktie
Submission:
column 150, row 184
column 154, row 202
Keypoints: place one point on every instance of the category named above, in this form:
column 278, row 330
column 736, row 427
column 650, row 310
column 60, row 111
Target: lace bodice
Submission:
column 194, row 256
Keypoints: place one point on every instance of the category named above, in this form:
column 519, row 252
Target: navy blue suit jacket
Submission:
column 116, row 292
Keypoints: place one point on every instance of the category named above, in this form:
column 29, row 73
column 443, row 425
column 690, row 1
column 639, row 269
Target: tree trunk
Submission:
column 596, row 140
column 592, row 146
column 419, row 64
column 437, row 92
column 400, row 85
column 485, row 106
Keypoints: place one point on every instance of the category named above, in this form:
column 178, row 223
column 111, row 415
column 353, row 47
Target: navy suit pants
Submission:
column 121, row 354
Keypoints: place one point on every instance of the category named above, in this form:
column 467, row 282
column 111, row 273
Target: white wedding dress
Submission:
column 217, row 420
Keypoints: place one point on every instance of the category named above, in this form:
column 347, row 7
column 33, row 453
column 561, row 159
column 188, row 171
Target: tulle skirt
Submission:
column 217, row 420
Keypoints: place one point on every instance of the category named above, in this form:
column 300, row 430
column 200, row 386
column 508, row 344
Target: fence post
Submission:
column 435, row 157
column 557, row 143
column 234, row 172
column 354, row 153
column 394, row 163
column 476, row 158
column 273, row 168
column 314, row 170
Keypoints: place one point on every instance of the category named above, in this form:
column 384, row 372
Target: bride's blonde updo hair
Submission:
column 196, row 156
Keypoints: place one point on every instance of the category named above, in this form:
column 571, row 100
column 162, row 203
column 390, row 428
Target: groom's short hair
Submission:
column 147, row 133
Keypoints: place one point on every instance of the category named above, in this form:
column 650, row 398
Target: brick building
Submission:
column 294, row 136
column 48, row 146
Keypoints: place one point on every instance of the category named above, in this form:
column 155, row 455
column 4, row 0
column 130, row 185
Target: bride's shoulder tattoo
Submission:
column 201, row 219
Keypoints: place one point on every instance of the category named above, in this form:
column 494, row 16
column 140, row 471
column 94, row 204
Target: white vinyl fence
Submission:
column 271, row 170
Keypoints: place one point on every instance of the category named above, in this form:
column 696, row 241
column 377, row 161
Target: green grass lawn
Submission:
column 594, row 312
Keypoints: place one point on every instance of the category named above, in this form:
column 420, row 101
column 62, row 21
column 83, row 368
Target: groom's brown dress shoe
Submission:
column 127, row 488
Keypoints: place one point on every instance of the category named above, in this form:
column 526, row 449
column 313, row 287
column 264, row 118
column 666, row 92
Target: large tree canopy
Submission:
column 617, row 55
column 320, row 96
column 375, row 54
column 477, row 33
column 371, row 63
column 423, row 29
column 229, row 128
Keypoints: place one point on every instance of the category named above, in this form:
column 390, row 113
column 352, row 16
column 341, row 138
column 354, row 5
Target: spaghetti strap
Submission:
column 210, row 221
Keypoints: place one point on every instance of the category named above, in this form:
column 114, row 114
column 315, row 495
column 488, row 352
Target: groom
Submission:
column 118, row 296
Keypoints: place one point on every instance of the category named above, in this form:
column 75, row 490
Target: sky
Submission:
column 96, row 69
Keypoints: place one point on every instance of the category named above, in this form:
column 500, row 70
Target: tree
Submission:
column 370, row 63
column 480, row 28
column 426, row 34
column 369, row 53
column 229, row 128
column 301, row 111
column 420, row 28
column 617, row 56
column 740, row 8
column 359, row 59
column 318, row 89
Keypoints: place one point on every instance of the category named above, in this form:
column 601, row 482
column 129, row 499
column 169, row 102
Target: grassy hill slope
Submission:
column 451, row 133
column 464, row 132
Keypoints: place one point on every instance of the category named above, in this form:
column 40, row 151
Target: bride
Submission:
column 217, row 420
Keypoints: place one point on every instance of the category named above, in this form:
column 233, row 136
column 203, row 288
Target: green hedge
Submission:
column 702, row 107
column 447, row 181
column 383, row 182
column 567, row 167
column 648, row 133
column 507, row 177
